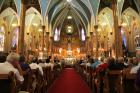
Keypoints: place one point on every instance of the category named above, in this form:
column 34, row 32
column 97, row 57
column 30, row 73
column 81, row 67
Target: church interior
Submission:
column 69, row 46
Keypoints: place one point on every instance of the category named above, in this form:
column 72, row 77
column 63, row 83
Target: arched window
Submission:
column 83, row 35
column 56, row 35
column 15, row 38
column 123, row 36
column 2, row 37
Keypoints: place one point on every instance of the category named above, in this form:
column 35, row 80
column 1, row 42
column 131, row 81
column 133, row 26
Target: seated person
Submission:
column 103, row 66
column 135, row 61
column 30, row 59
column 51, row 64
column 95, row 64
column 48, row 59
column 23, row 64
column 121, row 64
column 2, row 58
column 62, row 62
column 34, row 65
column 112, row 63
column 83, row 62
column 42, row 63
column 130, row 62
column 89, row 61
column 117, row 65
column 135, row 68
column 12, row 64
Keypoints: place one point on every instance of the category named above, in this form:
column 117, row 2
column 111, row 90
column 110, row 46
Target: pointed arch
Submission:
column 31, row 13
column 106, row 14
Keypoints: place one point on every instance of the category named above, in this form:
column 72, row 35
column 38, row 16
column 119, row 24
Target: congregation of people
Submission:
column 102, row 66
column 93, row 70
column 21, row 67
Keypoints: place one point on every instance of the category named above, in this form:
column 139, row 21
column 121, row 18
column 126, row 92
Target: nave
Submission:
column 69, row 82
column 105, row 75
column 40, row 39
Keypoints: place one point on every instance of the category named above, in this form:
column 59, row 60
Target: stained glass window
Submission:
column 56, row 35
column 2, row 36
column 15, row 38
column 83, row 35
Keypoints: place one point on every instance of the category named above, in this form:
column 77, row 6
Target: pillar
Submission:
column 51, row 45
column 91, row 43
column 21, row 42
column 87, row 45
column 132, row 35
column 97, row 43
column 47, row 41
column 117, row 32
column 43, row 32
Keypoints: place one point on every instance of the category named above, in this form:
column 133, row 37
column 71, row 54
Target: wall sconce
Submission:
column 96, row 26
column 28, row 33
column 111, row 33
column 8, row 32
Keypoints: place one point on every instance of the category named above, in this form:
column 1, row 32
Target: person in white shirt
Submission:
column 12, row 64
column 34, row 65
column 42, row 63
column 135, row 69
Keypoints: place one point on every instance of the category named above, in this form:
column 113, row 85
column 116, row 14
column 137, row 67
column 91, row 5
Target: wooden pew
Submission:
column 39, row 80
column 100, row 82
column 8, row 83
column 46, row 76
column 129, row 81
column 89, row 76
column 122, row 80
column 28, row 82
column 58, row 70
column 115, row 81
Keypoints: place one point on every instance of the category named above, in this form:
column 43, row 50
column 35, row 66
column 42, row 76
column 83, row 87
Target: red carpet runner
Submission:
column 69, row 82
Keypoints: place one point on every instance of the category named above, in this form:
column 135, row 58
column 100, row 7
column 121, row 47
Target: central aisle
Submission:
column 69, row 82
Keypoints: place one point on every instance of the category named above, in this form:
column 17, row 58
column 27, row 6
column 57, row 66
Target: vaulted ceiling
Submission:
column 83, row 11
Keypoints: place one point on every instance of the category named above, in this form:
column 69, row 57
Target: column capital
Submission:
column 87, row 37
column 96, row 26
column 43, row 26
column 91, row 33
column 47, row 33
